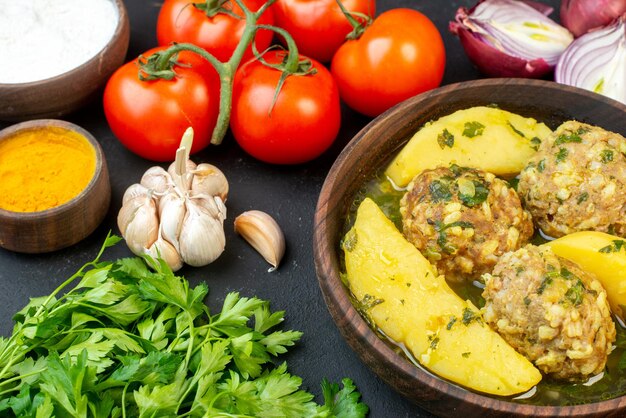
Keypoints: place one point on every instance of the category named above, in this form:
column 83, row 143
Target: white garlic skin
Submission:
column 157, row 179
column 202, row 237
column 166, row 251
column 209, row 180
column 138, row 222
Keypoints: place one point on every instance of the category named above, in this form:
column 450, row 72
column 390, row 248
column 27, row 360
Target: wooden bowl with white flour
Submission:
column 62, row 52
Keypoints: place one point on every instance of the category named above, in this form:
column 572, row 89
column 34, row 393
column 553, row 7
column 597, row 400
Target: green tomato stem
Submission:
column 226, row 70
column 357, row 27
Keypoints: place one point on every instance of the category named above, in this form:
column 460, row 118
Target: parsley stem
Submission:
column 19, row 377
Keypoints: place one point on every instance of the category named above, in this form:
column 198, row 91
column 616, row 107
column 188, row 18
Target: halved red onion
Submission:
column 508, row 38
column 580, row 16
column 596, row 61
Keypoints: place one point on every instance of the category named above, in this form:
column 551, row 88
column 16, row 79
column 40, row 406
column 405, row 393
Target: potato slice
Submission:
column 403, row 296
column 604, row 256
column 480, row 137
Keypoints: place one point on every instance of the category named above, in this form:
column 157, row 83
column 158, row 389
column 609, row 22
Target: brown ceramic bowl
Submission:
column 67, row 92
column 370, row 150
column 66, row 224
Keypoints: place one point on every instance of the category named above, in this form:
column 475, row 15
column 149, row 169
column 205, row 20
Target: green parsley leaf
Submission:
column 132, row 327
column 606, row 156
column 472, row 129
column 535, row 143
column 561, row 155
column 568, row 138
column 343, row 403
column 614, row 247
column 517, row 131
column 480, row 192
column 440, row 191
column 445, row 139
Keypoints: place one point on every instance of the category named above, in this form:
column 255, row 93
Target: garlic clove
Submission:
column 202, row 238
column 171, row 214
column 210, row 180
column 212, row 204
column 138, row 223
column 264, row 234
column 161, row 248
column 187, row 176
column 133, row 191
column 157, row 179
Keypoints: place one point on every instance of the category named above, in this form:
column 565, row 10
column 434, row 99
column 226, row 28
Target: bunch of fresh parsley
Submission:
column 133, row 341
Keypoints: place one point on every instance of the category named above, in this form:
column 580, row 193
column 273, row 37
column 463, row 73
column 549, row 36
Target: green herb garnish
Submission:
column 445, row 139
column 561, row 155
column 440, row 191
column 451, row 323
column 517, row 131
column 614, row 247
column 475, row 195
column 575, row 293
column 606, row 156
column 582, row 197
column 536, row 142
column 541, row 166
column 469, row 316
column 472, row 129
column 568, row 138
column 547, row 281
column 442, row 238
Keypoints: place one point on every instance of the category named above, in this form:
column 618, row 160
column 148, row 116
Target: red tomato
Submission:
column 400, row 55
column 302, row 124
column 150, row 117
column 180, row 21
column 319, row 27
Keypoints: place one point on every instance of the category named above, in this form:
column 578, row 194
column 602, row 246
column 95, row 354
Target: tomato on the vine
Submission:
column 217, row 32
column 399, row 55
column 319, row 27
column 294, row 127
column 150, row 117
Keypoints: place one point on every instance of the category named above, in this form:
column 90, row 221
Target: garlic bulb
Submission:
column 177, row 214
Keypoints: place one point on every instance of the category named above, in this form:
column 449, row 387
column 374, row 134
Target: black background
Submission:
column 289, row 194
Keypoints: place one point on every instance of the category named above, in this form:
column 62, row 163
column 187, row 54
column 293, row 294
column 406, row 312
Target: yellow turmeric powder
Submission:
column 43, row 168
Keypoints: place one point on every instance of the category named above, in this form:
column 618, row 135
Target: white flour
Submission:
column 40, row 39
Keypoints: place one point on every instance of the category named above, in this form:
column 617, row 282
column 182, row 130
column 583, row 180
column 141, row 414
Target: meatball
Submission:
column 577, row 181
column 551, row 312
column 463, row 219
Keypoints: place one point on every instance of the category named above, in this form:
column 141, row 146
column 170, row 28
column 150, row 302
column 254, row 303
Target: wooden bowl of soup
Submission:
column 55, row 187
column 363, row 163
column 62, row 59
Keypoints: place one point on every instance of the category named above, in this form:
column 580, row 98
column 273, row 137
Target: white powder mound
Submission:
column 40, row 39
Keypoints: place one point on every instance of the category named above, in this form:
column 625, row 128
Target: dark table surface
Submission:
column 289, row 194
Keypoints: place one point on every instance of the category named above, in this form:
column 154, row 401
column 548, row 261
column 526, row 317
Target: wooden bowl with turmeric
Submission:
column 54, row 187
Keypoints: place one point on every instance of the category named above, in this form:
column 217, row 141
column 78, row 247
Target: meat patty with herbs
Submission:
column 550, row 311
column 463, row 219
column 577, row 181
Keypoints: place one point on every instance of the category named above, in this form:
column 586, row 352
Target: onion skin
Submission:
column 490, row 60
column 494, row 63
column 580, row 16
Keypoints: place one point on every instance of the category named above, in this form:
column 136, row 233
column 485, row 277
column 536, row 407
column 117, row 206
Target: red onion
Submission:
column 508, row 38
column 579, row 16
column 596, row 61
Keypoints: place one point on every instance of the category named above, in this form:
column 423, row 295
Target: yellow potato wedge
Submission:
column 402, row 295
column 604, row 256
column 486, row 138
